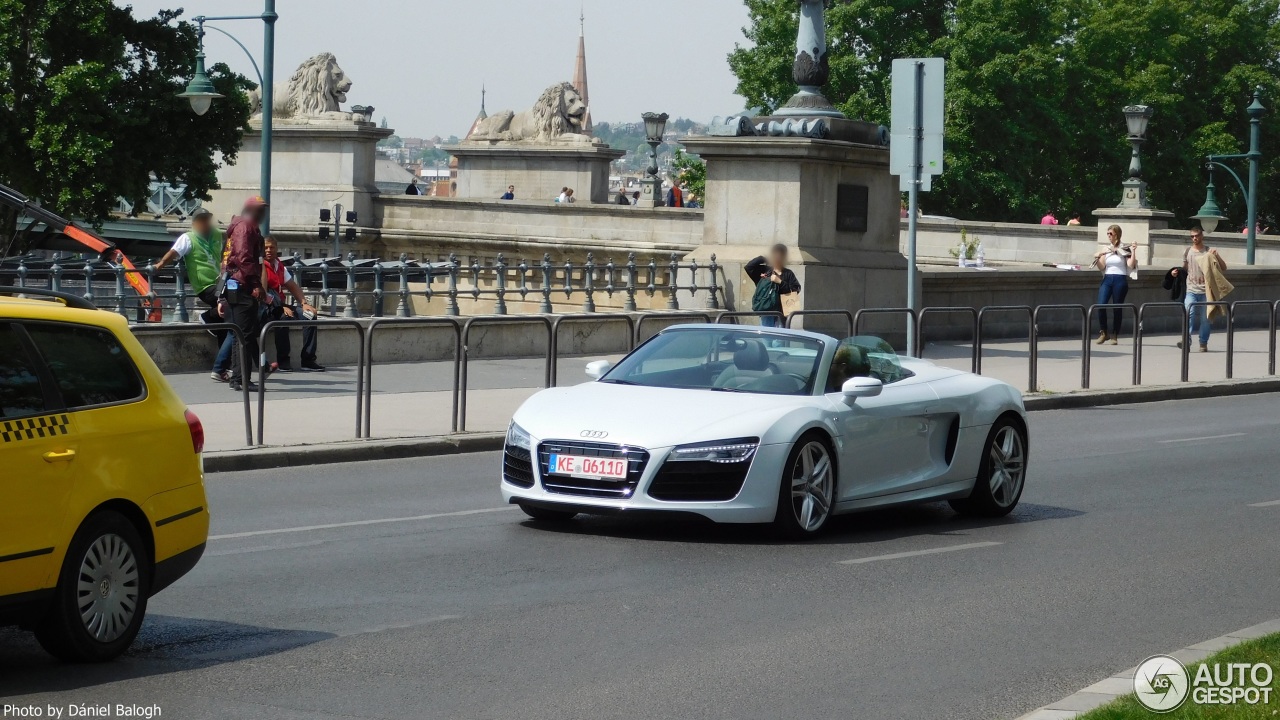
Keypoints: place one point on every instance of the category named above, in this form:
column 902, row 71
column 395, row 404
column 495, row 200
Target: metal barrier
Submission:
column 301, row 323
column 1231, row 333
column 1035, row 343
column 705, row 317
column 553, row 375
column 1031, row 330
column 737, row 314
column 973, row 364
column 1271, row 333
column 1088, row 348
column 496, row 320
column 812, row 313
column 455, row 325
column 912, row 318
column 244, row 358
column 1138, row 340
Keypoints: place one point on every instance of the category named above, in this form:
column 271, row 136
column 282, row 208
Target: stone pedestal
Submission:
column 314, row 163
column 485, row 169
column 1136, row 226
column 833, row 203
column 650, row 193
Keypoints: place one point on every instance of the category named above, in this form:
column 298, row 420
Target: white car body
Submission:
column 888, row 449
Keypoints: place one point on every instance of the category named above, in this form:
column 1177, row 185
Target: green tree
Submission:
column 89, row 107
column 692, row 171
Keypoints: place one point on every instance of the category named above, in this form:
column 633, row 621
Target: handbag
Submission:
column 765, row 298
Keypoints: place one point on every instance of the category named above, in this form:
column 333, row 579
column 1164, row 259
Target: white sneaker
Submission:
column 223, row 376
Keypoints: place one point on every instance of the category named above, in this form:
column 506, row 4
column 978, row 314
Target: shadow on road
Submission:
column 853, row 529
column 165, row 644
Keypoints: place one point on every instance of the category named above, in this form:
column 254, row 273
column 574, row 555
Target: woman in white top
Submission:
column 1115, row 262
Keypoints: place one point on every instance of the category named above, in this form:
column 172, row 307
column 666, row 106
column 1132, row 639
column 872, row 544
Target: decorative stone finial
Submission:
column 812, row 68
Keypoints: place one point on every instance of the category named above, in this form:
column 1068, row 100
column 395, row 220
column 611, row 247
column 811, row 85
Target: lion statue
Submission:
column 560, row 115
column 317, row 90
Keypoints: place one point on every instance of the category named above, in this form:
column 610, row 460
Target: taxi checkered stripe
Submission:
column 32, row 428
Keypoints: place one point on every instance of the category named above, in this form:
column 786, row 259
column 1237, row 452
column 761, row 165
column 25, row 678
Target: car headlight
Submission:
column 719, row 451
column 517, row 437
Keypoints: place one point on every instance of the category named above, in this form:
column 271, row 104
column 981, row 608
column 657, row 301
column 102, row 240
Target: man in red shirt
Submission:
column 276, row 307
column 246, row 283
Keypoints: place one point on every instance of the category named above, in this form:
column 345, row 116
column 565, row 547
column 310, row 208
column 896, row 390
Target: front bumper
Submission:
column 757, row 502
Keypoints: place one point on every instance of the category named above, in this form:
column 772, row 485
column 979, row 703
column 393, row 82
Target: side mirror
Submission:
column 860, row 387
column 597, row 369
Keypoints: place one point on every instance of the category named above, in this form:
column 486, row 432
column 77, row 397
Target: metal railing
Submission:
column 369, row 362
column 848, row 316
column 950, row 310
column 351, row 287
column 1035, row 343
column 1087, row 359
column 300, row 323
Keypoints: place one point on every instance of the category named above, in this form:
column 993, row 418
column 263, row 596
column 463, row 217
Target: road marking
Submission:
column 917, row 553
column 358, row 523
column 1271, row 503
column 1197, row 439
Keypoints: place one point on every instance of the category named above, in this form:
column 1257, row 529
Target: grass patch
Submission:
column 1265, row 649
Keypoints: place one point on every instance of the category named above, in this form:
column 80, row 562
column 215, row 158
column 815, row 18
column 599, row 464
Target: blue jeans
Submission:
column 222, row 362
column 770, row 321
column 1196, row 316
column 1112, row 292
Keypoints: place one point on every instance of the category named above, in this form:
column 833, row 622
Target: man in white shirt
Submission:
column 202, row 251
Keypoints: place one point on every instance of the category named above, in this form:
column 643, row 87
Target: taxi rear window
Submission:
column 89, row 364
column 20, row 393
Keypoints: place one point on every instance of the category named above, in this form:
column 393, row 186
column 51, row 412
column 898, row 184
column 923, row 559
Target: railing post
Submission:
column 119, row 273
column 350, row 312
column 402, row 307
column 500, row 266
column 523, row 270
column 568, row 280
column 55, row 275
column 378, row 289
column 629, row 305
column 589, row 283
column 712, row 302
column 326, row 292
column 22, row 273
column 151, row 283
column 545, row 307
column 180, row 294
column 675, row 266
column 608, row 276
column 652, row 287
column 88, row 280
column 693, row 279
column 451, row 302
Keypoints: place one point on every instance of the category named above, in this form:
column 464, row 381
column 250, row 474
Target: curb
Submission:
column 1121, row 684
column 1186, row 391
column 353, row 451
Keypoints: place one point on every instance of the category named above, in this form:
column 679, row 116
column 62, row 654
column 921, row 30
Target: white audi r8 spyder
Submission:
column 742, row 424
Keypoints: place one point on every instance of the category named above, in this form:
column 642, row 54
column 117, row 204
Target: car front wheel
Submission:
column 1002, row 473
column 807, row 489
column 101, row 597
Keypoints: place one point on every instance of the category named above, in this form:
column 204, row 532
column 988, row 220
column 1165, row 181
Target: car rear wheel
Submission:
column 546, row 514
column 101, row 597
column 1002, row 472
column 807, row 489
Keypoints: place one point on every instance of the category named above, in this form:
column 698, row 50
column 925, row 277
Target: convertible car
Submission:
column 757, row 425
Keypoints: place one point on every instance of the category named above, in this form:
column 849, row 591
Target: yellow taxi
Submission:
column 102, row 500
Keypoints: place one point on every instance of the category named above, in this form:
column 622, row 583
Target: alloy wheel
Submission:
column 1008, row 466
column 108, row 588
column 812, row 481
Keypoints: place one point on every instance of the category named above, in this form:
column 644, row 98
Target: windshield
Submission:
column 722, row 360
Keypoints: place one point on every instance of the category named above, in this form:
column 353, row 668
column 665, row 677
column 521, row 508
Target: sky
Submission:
column 421, row 63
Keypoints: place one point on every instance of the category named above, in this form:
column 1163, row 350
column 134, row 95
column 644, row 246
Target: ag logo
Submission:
column 1160, row 683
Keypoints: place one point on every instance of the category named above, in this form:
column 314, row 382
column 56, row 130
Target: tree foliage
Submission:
column 692, row 172
column 1035, row 92
column 88, row 106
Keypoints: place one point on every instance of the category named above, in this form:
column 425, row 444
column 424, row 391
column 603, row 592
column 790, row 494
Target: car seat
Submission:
column 751, row 361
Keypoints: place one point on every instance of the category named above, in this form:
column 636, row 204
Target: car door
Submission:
column 885, row 445
column 38, row 446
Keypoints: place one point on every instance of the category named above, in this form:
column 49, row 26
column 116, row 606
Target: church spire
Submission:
column 580, row 67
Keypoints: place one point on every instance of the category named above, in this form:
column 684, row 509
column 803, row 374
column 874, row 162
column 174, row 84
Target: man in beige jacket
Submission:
column 1203, row 267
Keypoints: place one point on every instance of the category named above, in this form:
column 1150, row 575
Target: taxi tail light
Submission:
column 197, row 431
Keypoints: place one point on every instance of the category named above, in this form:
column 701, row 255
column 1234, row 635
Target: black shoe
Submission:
column 235, row 385
column 283, row 367
column 312, row 365
column 209, row 317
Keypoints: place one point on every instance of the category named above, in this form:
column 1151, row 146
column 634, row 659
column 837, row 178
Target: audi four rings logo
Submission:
column 596, row 434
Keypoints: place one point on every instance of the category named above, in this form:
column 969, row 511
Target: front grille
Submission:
column 589, row 487
column 517, row 466
column 699, row 481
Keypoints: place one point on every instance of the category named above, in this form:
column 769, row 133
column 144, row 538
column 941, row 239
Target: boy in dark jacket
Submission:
column 774, row 269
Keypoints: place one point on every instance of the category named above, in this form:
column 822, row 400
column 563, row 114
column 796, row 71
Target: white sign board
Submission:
column 904, row 118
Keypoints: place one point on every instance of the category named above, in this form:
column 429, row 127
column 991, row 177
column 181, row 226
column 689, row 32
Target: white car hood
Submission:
column 652, row 417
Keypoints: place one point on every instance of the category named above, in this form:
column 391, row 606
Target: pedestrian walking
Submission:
column 201, row 250
column 245, row 287
column 275, row 307
column 622, row 197
column 510, row 194
column 1202, row 267
column 772, row 279
column 1116, row 263
column 675, row 196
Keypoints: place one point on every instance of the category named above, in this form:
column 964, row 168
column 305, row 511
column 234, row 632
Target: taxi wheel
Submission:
column 101, row 596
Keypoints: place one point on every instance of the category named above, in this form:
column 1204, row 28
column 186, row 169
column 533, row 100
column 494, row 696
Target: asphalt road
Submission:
column 404, row 589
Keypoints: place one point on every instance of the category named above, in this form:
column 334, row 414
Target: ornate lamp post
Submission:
column 1210, row 214
column 812, row 68
column 1135, row 189
column 200, row 91
column 655, row 126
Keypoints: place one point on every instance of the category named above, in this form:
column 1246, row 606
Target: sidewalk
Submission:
column 412, row 400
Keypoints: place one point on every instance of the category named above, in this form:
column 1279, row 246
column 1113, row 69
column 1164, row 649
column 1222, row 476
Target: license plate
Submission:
column 587, row 467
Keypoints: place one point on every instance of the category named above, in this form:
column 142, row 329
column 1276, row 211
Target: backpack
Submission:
column 765, row 298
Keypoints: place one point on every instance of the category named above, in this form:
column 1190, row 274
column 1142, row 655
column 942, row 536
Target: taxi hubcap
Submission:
column 107, row 593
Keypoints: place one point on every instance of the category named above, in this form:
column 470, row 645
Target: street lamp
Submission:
column 1254, row 156
column 201, row 93
column 1210, row 214
column 1135, row 190
column 655, row 126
